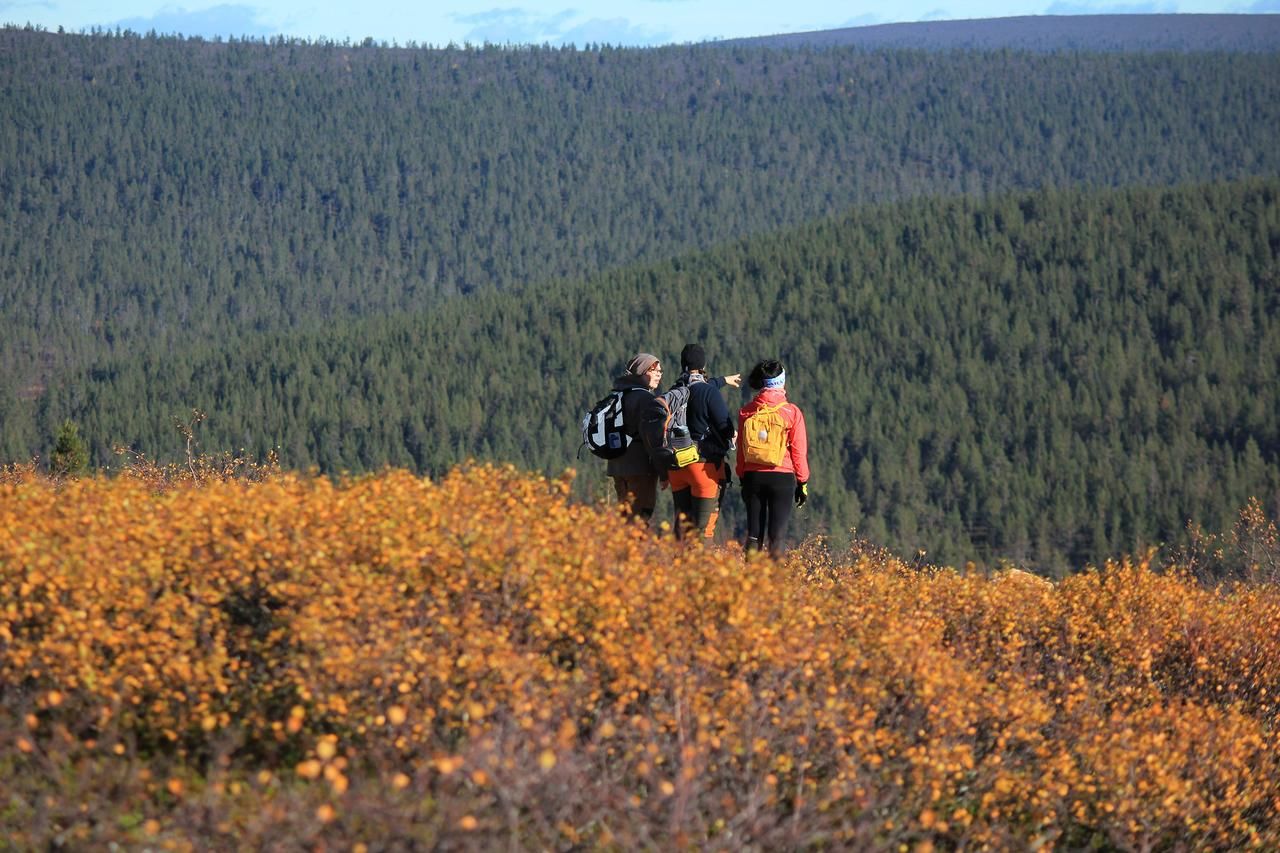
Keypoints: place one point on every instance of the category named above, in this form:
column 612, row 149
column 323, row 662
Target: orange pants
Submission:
column 695, row 490
column 704, row 478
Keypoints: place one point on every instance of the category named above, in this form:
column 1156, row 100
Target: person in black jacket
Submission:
column 697, row 490
column 636, row 472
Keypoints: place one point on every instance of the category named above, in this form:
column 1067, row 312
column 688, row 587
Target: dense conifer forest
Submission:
column 165, row 188
column 1046, row 377
column 1029, row 299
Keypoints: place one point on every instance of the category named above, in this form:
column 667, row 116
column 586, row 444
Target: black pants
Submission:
column 769, row 496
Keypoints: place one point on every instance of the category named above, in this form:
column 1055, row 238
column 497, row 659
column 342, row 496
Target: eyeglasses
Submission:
column 657, row 368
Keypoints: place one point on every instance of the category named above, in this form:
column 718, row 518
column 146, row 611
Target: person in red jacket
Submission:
column 773, row 457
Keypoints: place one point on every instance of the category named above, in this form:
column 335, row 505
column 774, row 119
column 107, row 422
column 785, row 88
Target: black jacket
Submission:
column 708, row 417
column 643, row 418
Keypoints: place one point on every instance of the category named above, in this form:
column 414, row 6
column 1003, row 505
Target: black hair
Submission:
column 763, row 370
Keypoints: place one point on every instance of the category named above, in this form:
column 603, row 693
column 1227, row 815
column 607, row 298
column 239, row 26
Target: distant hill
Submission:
column 1177, row 33
column 172, row 190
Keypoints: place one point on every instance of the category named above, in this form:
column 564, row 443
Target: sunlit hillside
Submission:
column 480, row 662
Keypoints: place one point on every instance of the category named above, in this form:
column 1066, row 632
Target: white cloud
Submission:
column 521, row 26
column 512, row 26
column 225, row 20
column 614, row 31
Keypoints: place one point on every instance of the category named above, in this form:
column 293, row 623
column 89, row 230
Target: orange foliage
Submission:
column 239, row 649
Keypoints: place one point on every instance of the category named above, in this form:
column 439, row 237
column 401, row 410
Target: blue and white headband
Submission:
column 776, row 381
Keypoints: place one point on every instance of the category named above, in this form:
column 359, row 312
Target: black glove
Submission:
column 802, row 493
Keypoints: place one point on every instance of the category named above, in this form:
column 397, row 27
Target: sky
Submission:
column 630, row 23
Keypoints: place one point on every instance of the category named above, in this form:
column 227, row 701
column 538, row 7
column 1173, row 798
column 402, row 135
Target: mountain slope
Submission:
column 1047, row 377
column 161, row 189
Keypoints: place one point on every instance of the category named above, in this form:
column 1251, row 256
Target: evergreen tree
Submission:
column 70, row 457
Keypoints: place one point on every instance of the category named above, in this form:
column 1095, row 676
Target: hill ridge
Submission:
column 1181, row 32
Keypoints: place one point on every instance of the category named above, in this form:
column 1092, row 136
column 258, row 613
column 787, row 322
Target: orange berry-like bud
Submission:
column 309, row 769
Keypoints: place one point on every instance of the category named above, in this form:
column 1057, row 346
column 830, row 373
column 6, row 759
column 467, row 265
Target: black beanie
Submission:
column 693, row 357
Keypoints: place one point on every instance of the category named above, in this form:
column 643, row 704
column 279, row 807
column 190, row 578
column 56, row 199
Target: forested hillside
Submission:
column 1175, row 32
column 1048, row 377
column 178, row 191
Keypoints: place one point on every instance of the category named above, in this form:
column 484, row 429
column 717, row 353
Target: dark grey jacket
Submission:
column 643, row 418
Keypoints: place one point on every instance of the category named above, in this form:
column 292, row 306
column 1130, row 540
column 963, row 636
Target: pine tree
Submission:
column 70, row 457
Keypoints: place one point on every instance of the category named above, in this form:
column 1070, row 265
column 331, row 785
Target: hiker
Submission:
column 697, row 489
column 772, row 463
column 635, row 474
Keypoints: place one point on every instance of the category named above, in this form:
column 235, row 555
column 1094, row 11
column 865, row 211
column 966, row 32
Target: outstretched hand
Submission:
column 733, row 380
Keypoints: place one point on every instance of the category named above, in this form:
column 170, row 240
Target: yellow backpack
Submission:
column 764, row 436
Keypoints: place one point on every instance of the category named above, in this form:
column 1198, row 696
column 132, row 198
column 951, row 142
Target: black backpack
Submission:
column 605, row 435
column 602, row 428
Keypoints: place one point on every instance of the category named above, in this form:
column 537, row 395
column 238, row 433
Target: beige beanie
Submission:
column 640, row 365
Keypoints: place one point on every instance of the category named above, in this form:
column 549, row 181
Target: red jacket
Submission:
column 796, row 461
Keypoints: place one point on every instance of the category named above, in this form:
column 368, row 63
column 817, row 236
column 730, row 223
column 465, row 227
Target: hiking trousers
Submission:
column 638, row 493
column 696, row 491
column 769, row 496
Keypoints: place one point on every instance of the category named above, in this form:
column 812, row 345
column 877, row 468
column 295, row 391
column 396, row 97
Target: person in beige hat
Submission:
column 637, row 472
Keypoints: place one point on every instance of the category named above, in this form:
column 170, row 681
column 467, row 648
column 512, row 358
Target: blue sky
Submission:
column 617, row 22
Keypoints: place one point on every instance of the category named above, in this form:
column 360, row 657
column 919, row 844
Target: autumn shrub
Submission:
column 1247, row 553
column 390, row 662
